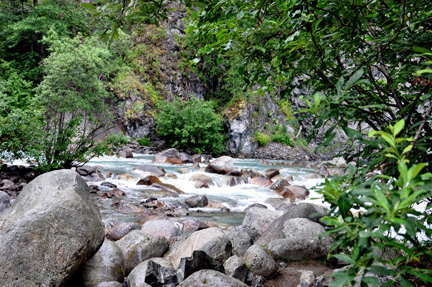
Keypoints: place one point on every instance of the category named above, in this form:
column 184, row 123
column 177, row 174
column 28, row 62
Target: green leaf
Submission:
column 407, row 149
column 354, row 78
column 88, row 6
column 398, row 127
column 353, row 133
column 199, row 4
column 344, row 257
column 425, row 71
column 345, row 204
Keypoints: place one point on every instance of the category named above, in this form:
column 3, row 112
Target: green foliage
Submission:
column 190, row 125
column 74, row 101
column 23, row 26
column 390, row 217
column 117, row 139
column 358, row 74
column 145, row 141
column 263, row 139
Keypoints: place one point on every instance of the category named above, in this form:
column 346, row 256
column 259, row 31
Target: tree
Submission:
column 190, row 125
column 360, row 56
column 74, row 99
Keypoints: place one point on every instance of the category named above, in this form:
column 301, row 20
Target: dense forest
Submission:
column 364, row 67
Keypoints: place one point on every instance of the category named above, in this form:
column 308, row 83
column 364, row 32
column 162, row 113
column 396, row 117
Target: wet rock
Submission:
column 196, row 241
column 86, row 170
column 260, row 180
column 126, row 177
column 115, row 192
column 202, row 178
column 169, row 187
column 248, row 173
column 196, row 166
column 197, row 201
column 279, row 184
column 171, row 155
column 128, row 208
column 106, row 265
column 7, row 184
column 259, row 261
column 286, row 192
column 221, row 165
column 152, row 203
column 138, row 246
column 272, row 172
column 115, row 230
column 299, row 192
column 260, row 218
column 235, row 172
column 4, row 201
column 199, row 260
column 171, row 175
column 152, row 170
column 126, row 153
column 108, row 184
column 185, row 158
column 199, row 185
column 55, row 213
column 160, row 227
column 234, row 180
column 153, row 272
column 240, row 241
column 149, row 180
column 236, row 268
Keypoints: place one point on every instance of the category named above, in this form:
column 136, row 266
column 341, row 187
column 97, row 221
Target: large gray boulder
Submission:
column 260, row 218
column 221, row 165
column 52, row 228
column 259, row 261
column 211, row 278
column 169, row 229
column 301, row 241
column 274, row 230
column 106, row 265
column 138, row 247
column 196, row 241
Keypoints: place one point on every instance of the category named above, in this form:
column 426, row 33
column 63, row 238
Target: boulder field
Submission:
column 52, row 235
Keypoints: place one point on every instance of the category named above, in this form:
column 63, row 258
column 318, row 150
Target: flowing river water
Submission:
column 235, row 198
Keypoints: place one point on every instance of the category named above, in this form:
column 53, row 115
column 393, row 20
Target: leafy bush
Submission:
column 393, row 214
column 263, row 139
column 282, row 138
column 118, row 139
column 145, row 141
column 191, row 124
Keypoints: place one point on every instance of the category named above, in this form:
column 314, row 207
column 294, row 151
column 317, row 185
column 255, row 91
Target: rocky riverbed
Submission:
column 55, row 224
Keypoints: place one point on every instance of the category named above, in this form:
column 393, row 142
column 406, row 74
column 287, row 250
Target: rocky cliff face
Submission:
column 163, row 71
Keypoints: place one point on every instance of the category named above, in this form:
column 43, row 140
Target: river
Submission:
column 235, row 198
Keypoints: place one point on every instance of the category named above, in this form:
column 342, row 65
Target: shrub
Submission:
column 282, row 138
column 191, row 124
column 263, row 139
column 145, row 141
column 393, row 214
